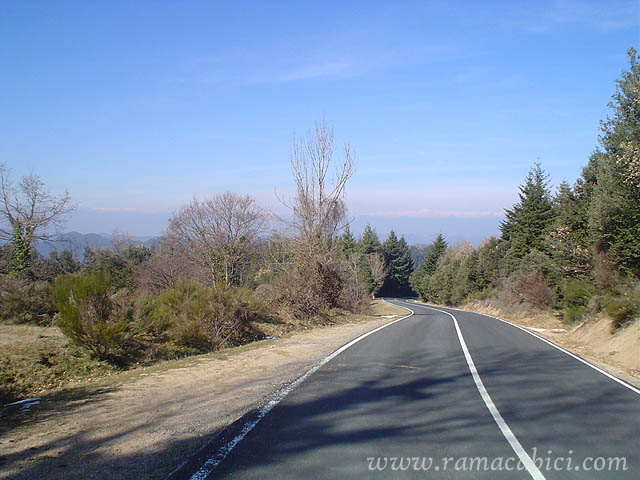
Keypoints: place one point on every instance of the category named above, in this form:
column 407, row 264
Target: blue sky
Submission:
column 135, row 107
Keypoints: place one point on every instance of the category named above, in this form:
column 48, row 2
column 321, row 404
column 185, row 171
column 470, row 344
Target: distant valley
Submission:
column 77, row 242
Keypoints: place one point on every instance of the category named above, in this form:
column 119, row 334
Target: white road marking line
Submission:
column 273, row 400
column 549, row 342
column 504, row 428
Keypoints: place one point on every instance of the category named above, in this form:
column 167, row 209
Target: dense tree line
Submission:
column 576, row 249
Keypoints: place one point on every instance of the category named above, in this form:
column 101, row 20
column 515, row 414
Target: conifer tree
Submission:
column 347, row 242
column 614, row 210
column 420, row 276
column 399, row 266
column 369, row 243
column 527, row 223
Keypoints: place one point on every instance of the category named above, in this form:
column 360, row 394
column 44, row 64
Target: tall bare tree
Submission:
column 27, row 213
column 318, row 208
column 316, row 280
column 220, row 233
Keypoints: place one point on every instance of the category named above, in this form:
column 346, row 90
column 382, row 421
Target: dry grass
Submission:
column 36, row 360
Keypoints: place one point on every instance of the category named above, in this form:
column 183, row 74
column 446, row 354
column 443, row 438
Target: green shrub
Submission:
column 484, row 294
column 94, row 317
column 119, row 268
column 24, row 301
column 576, row 295
column 621, row 309
column 200, row 318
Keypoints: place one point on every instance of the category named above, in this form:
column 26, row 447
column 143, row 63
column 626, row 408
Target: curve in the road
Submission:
column 449, row 383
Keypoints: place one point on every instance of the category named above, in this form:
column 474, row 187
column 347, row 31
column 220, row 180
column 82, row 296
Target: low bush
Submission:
column 531, row 288
column 576, row 295
column 622, row 309
column 95, row 317
column 200, row 318
column 24, row 301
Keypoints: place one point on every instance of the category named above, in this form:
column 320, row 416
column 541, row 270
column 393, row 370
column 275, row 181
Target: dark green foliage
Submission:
column 491, row 256
column 399, row 267
column 568, row 241
column 614, row 214
column 576, row 295
column 614, row 217
column 95, row 317
column 418, row 254
column 120, row 269
column 438, row 247
column 420, row 277
column 136, row 254
column 369, row 243
column 23, row 300
column 58, row 263
column 21, row 250
column 528, row 221
column 347, row 242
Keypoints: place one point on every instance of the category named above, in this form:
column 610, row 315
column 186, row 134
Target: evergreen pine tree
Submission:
column 399, row 266
column 421, row 275
column 347, row 242
column 527, row 223
column 567, row 239
column 614, row 210
column 369, row 243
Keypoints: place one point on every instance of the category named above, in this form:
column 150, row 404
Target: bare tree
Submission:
column 220, row 233
column 28, row 213
column 168, row 262
column 316, row 281
column 318, row 208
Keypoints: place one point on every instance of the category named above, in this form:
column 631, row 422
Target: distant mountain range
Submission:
column 77, row 242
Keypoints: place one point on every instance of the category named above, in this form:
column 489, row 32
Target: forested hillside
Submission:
column 575, row 249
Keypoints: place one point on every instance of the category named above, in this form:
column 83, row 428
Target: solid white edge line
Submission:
column 549, row 342
column 502, row 425
column 273, row 400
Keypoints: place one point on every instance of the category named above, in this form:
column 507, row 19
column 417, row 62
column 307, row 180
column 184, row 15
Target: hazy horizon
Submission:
column 137, row 108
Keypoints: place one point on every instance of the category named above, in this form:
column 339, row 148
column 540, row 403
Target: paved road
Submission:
column 409, row 402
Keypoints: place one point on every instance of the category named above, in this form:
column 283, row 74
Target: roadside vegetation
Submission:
column 220, row 276
column 216, row 278
column 574, row 252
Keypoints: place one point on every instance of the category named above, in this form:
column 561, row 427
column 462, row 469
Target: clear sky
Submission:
column 135, row 107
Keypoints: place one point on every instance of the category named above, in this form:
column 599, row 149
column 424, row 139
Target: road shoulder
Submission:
column 146, row 427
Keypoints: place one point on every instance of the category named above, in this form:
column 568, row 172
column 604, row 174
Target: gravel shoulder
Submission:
column 148, row 423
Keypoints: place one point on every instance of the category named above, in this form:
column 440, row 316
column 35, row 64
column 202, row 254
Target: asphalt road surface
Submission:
column 439, row 394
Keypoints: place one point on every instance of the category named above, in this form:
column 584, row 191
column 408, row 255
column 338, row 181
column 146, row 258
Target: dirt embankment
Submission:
column 617, row 353
column 144, row 425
